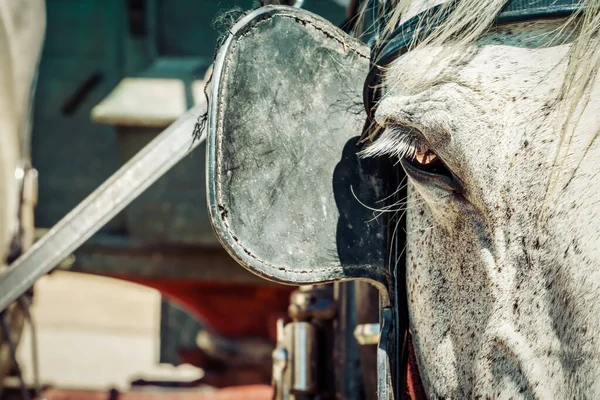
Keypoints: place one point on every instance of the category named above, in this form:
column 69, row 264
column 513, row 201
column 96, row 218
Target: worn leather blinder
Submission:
column 289, row 198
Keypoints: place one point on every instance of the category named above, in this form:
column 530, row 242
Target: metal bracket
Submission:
column 296, row 369
column 366, row 334
column 385, row 389
column 296, row 362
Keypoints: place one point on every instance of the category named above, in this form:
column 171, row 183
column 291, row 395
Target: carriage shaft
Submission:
column 124, row 186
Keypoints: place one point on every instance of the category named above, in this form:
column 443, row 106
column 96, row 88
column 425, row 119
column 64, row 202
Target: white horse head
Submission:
column 496, row 129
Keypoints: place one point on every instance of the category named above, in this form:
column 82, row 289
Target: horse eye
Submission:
column 424, row 157
column 426, row 160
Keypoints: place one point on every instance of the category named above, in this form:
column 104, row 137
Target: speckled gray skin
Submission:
column 504, row 300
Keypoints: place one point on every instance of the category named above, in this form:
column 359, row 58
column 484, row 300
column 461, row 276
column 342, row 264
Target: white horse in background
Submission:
column 22, row 28
column 497, row 130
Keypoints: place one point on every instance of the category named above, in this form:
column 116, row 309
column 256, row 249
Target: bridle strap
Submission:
column 384, row 51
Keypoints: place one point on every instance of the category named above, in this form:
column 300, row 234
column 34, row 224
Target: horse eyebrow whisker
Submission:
column 400, row 205
column 395, row 141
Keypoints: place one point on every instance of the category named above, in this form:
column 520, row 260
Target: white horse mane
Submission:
column 469, row 20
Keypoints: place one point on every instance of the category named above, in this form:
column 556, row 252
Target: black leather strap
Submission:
column 396, row 44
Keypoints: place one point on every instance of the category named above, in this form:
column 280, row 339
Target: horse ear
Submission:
column 285, row 185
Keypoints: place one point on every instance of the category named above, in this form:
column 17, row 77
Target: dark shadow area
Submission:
column 366, row 238
column 358, row 185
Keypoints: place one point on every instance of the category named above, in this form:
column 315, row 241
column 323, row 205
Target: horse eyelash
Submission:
column 396, row 142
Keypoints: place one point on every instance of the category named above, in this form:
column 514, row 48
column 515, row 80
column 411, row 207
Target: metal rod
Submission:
column 168, row 148
column 384, row 368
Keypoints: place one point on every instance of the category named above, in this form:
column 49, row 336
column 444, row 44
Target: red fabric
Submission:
column 231, row 310
column 414, row 385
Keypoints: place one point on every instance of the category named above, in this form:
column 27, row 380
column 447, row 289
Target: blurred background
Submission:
column 151, row 300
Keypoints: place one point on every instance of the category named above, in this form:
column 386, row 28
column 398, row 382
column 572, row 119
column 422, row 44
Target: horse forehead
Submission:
column 504, row 70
